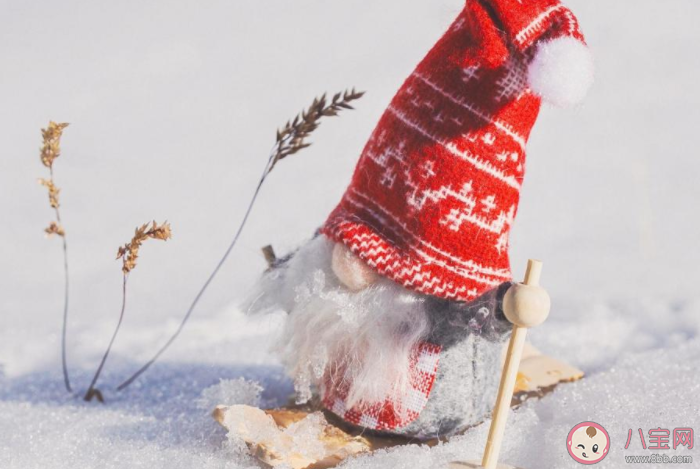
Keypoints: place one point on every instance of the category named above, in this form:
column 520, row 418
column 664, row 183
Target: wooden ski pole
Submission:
column 525, row 305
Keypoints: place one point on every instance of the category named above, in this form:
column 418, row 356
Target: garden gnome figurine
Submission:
column 394, row 308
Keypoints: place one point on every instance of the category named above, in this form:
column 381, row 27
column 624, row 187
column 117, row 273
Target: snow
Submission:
column 173, row 106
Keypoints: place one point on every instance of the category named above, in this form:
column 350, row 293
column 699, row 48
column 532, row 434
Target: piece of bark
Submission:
column 269, row 436
column 539, row 374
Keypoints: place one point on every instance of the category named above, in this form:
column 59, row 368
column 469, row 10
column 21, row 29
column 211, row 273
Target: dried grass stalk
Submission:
column 53, row 191
column 291, row 139
column 50, row 150
column 129, row 254
column 54, row 229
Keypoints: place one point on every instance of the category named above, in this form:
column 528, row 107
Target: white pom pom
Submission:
column 561, row 71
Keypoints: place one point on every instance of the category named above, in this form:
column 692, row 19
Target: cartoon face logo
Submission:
column 588, row 443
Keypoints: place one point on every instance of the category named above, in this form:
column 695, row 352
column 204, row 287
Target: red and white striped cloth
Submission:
column 436, row 189
column 389, row 415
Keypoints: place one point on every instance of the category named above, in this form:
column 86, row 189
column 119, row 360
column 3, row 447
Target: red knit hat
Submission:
column 436, row 189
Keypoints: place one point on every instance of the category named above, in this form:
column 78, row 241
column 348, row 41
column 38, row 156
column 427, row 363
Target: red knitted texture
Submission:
column 436, row 189
column 388, row 415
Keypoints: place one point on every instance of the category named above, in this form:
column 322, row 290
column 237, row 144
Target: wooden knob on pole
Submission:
column 525, row 305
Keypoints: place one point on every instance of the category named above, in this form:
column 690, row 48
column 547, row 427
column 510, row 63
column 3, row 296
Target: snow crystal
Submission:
column 158, row 427
column 306, row 435
column 230, row 392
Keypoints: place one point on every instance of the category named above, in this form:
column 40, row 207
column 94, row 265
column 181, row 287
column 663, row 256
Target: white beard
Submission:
column 363, row 338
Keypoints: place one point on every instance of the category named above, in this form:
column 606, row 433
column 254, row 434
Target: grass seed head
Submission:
column 129, row 253
column 292, row 137
column 51, row 147
column 54, row 229
column 53, row 191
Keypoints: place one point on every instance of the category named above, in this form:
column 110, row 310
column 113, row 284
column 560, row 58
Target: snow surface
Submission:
column 173, row 107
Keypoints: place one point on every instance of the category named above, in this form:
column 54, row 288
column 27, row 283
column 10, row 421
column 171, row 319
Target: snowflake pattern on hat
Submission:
column 437, row 187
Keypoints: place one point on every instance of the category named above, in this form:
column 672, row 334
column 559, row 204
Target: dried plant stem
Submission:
column 220, row 264
column 50, row 151
column 92, row 391
column 290, row 140
column 64, row 330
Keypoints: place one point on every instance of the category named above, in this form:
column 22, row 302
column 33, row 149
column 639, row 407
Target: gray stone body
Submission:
column 472, row 336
